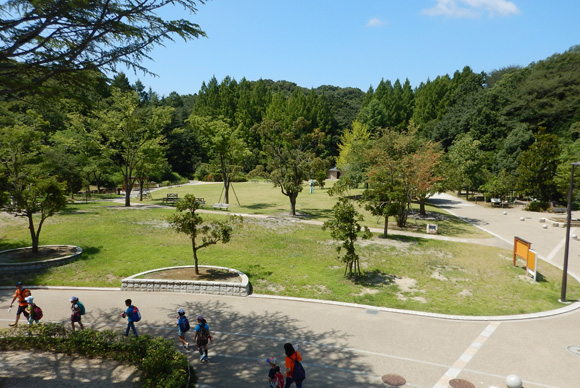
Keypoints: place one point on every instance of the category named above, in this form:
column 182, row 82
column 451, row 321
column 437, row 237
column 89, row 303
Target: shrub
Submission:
column 160, row 363
column 538, row 206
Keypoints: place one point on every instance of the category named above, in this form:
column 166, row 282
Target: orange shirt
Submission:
column 21, row 295
column 290, row 362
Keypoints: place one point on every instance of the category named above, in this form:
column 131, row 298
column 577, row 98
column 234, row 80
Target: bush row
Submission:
column 160, row 364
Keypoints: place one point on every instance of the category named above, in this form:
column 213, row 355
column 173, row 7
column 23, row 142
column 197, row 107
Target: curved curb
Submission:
column 466, row 318
column 479, row 318
column 190, row 286
column 35, row 265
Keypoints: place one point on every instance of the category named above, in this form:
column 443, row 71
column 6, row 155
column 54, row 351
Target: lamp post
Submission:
column 568, row 220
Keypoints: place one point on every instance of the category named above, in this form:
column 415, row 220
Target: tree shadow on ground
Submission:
column 312, row 213
column 259, row 206
column 243, row 341
column 375, row 278
column 54, row 370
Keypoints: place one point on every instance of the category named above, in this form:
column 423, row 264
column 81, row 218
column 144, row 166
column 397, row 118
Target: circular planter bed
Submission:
column 23, row 260
column 213, row 280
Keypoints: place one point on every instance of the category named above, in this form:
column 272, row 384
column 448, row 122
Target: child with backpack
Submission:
column 34, row 312
column 133, row 315
column 202, row 335
column 183, row 325
column 78, row 310
column 275, row 377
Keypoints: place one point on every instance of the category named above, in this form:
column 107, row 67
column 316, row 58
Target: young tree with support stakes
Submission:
column 187, row 221
column 226, row 146
column 345, row 228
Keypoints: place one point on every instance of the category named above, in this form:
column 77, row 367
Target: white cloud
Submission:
column 374, row 22
column 472, row 8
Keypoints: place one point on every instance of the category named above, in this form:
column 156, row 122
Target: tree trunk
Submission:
column 33, row 234
column 141, row 181
column 293, row 197
column 386, row 227
column 226, row 190
column 194, row 256
column 422, row 206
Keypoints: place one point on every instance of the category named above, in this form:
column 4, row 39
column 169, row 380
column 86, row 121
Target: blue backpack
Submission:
column 135, row 315
column 299, row 373
column 184, row 324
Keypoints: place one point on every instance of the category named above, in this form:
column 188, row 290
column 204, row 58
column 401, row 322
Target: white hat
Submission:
column 29, row 299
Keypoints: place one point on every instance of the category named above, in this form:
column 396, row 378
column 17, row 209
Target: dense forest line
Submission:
column 513, row 131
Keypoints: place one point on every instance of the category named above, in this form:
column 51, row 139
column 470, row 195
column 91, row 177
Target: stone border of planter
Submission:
column 187, row 286
column 36, row 265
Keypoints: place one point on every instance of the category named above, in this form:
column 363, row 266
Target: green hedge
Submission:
column 160, row 363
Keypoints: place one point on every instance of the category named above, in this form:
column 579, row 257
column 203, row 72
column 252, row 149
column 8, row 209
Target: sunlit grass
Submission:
column 283, row 257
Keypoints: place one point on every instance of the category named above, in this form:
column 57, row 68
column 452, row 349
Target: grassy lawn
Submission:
column 263, row 198
column 288, row 258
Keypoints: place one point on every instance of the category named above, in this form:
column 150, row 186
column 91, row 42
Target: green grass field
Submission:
column 263, row 198
column 285, row 257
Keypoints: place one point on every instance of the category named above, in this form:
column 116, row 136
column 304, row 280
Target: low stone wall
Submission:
column 39, row 265
column 187, row 286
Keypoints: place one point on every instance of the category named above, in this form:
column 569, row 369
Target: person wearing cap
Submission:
column 20, row 294
column 183, row 326
column 30, row 309
column 274, row 370
column 76, row 313
column 202, row 335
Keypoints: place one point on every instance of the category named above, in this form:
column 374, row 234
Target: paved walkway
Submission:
column 353, row 346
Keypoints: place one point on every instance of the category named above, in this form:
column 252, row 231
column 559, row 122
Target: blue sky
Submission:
column 358, row 43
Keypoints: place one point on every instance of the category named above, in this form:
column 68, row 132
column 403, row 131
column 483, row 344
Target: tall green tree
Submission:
column 290, row 152
column 464, row 165
column 538, row 166
column 34, row 193
column 128, row 133
column 392, row 173
column 351, row 159
column 345, row 228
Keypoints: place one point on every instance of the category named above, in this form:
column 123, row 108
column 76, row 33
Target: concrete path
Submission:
column 353, row 346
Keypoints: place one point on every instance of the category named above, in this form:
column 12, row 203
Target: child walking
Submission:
column 202, row 335
column 34, row 312
column 132, row 314
column 183, row 326
column 275, row 378
column 77, row 312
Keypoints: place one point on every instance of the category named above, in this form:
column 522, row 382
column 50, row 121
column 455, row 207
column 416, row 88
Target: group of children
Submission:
column 33, row 314
column 201, row 337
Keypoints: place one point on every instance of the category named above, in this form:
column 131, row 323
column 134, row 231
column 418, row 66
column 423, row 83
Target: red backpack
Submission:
column 278, row 380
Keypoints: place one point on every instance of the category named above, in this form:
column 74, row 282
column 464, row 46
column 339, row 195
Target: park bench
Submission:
column 221, row 206
column 170, row 198
column 495, row 202
column 560, row 210
column 200, row 200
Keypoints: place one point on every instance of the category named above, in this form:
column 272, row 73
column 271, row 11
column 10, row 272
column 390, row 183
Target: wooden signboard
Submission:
column 521, row 249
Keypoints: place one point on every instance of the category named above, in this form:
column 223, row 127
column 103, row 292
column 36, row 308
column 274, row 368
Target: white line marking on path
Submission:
column 467, row 355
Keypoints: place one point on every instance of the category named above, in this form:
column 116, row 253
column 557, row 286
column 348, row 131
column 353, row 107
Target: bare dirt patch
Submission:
column 205, row 274
column 25, row 255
